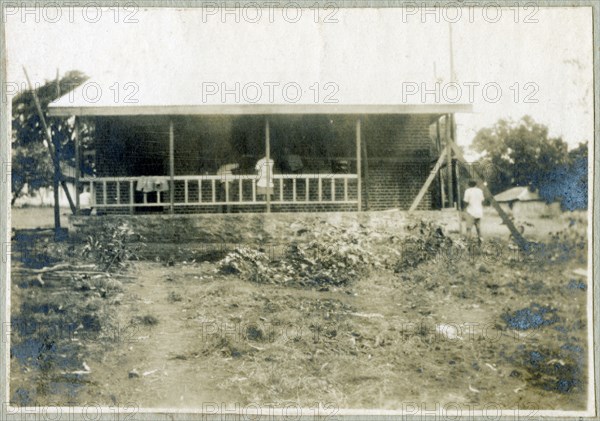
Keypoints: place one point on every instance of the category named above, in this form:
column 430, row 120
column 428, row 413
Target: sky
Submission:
column 507, row 62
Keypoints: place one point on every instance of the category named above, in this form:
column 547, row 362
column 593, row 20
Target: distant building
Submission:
column 522, row 202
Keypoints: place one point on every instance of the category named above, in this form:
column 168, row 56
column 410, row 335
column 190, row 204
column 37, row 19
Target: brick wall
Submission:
column 399, row 155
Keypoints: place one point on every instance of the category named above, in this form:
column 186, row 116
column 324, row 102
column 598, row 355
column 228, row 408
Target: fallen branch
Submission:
column 55, row 268
column 92, row 274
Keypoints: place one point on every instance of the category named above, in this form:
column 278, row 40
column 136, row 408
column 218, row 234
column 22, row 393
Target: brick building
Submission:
column 184, row 134
column 395, row 158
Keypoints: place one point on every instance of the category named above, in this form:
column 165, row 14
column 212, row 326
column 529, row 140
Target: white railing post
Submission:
column 333, row 189
column 93, row 191
column 281, row 189
column 320, row 188
column 307, row 192
column 171, row 167
column 118, row 199
column 294, row 190
column 345, row 189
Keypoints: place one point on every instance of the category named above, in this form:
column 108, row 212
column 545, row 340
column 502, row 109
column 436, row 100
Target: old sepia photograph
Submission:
column 293, row 210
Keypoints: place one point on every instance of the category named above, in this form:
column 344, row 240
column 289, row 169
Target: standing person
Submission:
column 85, row 202
column 265, row 171
column 474, row 212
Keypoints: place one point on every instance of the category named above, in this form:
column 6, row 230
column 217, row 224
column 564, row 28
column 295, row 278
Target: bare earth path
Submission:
column 183, row 336
column 385, row 343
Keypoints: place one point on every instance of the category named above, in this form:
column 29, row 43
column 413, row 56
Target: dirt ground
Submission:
column 174, row 331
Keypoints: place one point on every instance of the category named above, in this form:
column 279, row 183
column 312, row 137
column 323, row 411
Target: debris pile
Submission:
column 423, row 242
column 323, row 255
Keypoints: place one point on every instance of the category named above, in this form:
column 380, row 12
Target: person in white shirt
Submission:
column 474, row 212
column 85, row 202
column 265, row 171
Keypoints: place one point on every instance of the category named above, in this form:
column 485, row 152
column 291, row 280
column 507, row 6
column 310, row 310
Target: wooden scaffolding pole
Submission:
column 268, row 155
column 358, row 165
column 77, row 164
column 51, row 149
column 519, row 239
column 439, row 175
column 449, row 162
column 56, row 177
column 457, row 178
column 171, row 168
column 456, row 168
column 430, row 178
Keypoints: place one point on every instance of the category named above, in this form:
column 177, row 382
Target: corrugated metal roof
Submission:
column 367, row 62
column 522, row 194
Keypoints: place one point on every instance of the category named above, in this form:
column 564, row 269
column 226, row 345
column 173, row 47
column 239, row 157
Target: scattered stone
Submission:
column 174, row 296
column 448, row 331
column 483, row 269
column 134, row 374
column 515, row 373
column 147, row 320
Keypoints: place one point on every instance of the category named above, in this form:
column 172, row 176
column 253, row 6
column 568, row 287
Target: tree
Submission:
column 31, row 160
column 31, row 166
column 521, row 153
column 569, row 183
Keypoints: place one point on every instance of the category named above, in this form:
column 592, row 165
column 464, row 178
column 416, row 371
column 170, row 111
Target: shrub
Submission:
column 110, row 248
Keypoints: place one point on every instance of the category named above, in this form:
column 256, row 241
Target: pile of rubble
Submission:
column 323, row 255
column 320, row 255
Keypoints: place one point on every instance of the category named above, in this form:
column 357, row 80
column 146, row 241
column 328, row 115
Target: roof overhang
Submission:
column 365, row 64
column 254, row 109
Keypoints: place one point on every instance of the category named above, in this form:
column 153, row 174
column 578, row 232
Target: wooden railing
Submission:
column 216, row 190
